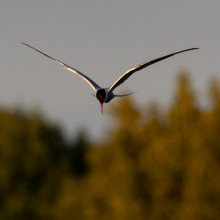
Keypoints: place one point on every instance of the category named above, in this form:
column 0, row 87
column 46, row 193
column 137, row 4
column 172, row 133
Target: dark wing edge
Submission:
column 128, row 73
column 86, row 78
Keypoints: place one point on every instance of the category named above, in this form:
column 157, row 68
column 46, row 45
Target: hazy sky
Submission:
column 102, row 39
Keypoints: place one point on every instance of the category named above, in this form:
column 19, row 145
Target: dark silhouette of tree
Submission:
column 76, row 155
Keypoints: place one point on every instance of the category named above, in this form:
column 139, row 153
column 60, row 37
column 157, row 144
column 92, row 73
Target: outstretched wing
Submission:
column 86, row 78
column 128, row 73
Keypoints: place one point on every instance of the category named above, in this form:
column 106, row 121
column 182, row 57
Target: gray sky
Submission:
column 102, row 39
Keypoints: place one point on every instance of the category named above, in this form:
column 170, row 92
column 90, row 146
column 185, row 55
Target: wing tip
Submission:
column 193, row 48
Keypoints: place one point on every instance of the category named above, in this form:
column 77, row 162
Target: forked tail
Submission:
column 124, row 94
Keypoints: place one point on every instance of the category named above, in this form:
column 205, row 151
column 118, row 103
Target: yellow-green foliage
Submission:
column 154, row 164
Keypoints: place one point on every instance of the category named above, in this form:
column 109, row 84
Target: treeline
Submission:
column 154, row 164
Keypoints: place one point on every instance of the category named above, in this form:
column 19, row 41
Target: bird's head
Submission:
column 100, row 95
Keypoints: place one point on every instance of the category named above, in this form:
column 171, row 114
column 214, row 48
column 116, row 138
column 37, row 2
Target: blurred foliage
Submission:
column 154, row 164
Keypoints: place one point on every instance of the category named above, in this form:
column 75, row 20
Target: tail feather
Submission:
column 124, row 94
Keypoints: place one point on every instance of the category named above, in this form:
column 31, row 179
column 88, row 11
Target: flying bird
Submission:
column 105, row 95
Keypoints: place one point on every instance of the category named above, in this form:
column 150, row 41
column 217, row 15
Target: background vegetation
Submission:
column 154, row 164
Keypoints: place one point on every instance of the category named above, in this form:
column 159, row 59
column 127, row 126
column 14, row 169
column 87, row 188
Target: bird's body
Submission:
column 105, row 95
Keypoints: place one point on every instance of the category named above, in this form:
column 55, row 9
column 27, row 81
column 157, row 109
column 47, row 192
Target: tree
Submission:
column 154, row 164
column 30, row 159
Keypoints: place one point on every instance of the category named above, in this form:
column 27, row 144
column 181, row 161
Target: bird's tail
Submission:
column 124, row 94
